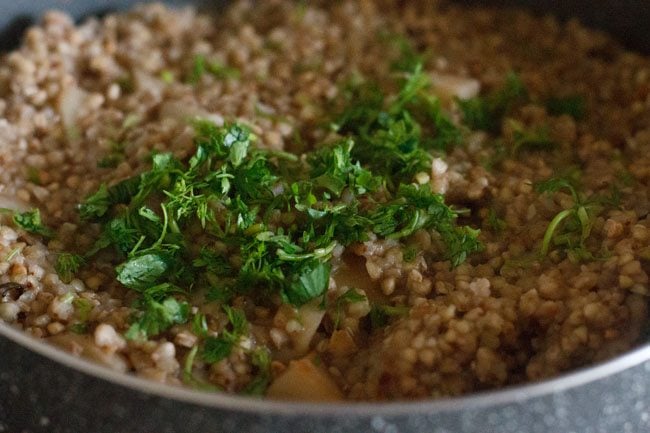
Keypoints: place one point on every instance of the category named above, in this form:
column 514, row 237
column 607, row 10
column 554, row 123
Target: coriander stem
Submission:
column 585, row 223
column 552, row 227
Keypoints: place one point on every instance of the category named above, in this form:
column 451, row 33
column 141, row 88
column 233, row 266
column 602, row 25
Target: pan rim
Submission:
column 514, row 394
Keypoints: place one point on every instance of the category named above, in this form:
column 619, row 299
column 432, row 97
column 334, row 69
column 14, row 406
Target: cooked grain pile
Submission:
column 85, row 105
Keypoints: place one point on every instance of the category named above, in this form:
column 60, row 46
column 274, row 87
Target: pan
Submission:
column 43, row 389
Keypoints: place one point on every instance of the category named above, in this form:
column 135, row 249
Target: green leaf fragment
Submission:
column 31, row 222
column 312, row 283
column 570, row 228
column 351, row 296
column 573, row 105
column 486, row 112
column 67, row 265
column 83, row 308
column 380, row 315
column 218, row 348
column 261, row 360
column 143, row 271
column 156, row 317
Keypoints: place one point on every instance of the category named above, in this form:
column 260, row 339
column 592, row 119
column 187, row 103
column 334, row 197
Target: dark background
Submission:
column 627, row 20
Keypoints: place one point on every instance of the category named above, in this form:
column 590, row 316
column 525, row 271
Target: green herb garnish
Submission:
column 486, row 112
column 217, row 348
column 409, row 57
column 351, row 296
column 13, row 254
column 83, row 308
column 393, row 135
column 34, row 176
column 67, row 265
column 380, row 315
column 410, row 254
column 167, row 76
column 157, row 316
column 574, row 106
column 200, row 325
column 277, row 218
column 114, row 157
column 497, row 224
column 570, row 228
column 202, row 66
column 261, row 360
column 535, row 139
column 188, row 374
column 30, row 221
column 79, row 328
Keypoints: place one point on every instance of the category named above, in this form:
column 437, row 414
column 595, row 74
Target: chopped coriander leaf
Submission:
column 228, row 177
column 220, row 294
column 162, row 291
column 212, row 262
column 217, row 348
column 570, row 228
column 79, row 328
column 409, row 254
column 13, row 254
column 261, row 360
column 497, row 224
column 237, row 320
column 130, row 121
column 198, row 69
column 380, row 315
column 419, row 208
column 155, row 317
column 415, row 82
column 393, row 148
column 221, row 71
column 393, row 134
column 30, row 221
column 143, row 271
column 67, row 266
column 167, row 76
column 446, row 133
column 83, row 308
column 332, row 169
column 114, row 157
column 34, row 175
column 237, row 220
column 311, row 283
column 555, row 184
column 188, row 365
column 408, row 57
column 188, row 374
column 110, row 161
column 202, row 66
column 574, row 106
column 537, row 139
column 461, row 241
column 118, row 233
column 95, row 205
column 199, row 324
column 363, row 103
column 486, row 112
